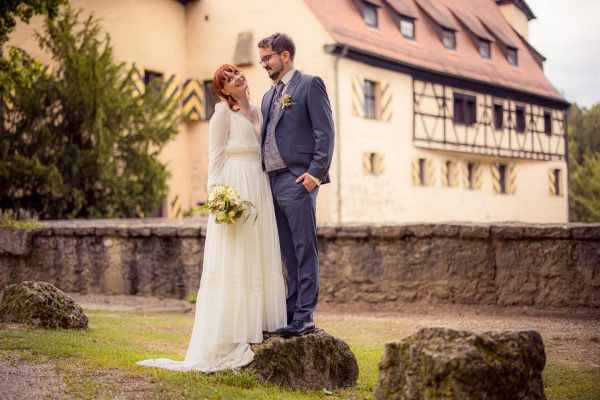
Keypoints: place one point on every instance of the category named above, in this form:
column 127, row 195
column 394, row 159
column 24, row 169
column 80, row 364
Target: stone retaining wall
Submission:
column 503, row 264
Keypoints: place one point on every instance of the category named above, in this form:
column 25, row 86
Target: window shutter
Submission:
column 429, row 172
column 454, row 174
column 444, row 173
column 48, row 70
column 415, row 172
column 367, row 163
column 373, row 163
column 358, row 96
column 511, row 179
column 7, row 100
column 174, row 207
column 378, row 164
column 193, row 100
column 172, row 89
column 385, row 102
column 477, row 171
column 137, row 77
column 495, row 169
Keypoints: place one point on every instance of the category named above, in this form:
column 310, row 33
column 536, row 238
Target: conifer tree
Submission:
column 584, row 164
column 79, row 143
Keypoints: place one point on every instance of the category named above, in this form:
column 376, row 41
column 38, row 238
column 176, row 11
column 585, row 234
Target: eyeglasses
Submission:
column 265, row 60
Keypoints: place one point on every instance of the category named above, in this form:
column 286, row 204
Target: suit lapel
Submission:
column 291, row 88
column 265, row 108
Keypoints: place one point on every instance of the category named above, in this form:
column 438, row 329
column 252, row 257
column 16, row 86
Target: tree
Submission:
column 584, row 163
column 10, row 11
column 584, row 193
column 79, row 143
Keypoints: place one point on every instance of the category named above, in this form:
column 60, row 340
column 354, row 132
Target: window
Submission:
column 465, row 109
column 547, row 123
column 407, row 27
column 422, row 172
column 520, row 117
column 211, row 99
column 511, row 56
column 555, row 182
column 370, row 90
column 498, row 116
column 502, row 178
column 448, row 38
column 485, row 48
column 153, row 80
column 471, row 176
column 373, row 163
column 370, row 14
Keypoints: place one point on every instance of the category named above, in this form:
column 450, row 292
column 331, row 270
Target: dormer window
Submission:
column 511, row 56
column 370, row 14
column 449, row 38
column 485, row 48
column 407, row 27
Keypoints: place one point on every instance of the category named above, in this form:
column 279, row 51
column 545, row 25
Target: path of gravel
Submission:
column 571, row 335
column 26, row 380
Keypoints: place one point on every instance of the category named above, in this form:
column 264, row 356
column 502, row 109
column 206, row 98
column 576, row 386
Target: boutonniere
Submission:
column 286, row 101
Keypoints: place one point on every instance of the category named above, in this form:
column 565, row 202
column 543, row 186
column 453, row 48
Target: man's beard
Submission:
column 274, row 75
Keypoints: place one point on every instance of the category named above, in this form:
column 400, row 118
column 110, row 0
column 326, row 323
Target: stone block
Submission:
column 16, row 242
column 310, row 362
column 441, row 363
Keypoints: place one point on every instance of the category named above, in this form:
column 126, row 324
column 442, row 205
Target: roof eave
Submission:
column 367, row 57
column 522, row 5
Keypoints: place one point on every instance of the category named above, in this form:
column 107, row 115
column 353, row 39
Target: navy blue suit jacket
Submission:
column 304, row 131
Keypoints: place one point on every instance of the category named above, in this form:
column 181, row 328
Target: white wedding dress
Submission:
column 241, row 291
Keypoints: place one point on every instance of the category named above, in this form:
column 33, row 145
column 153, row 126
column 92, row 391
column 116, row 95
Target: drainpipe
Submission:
column 568, row 164
column 340, row 51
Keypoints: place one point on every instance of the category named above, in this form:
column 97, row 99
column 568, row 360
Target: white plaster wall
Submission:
column 392, row 197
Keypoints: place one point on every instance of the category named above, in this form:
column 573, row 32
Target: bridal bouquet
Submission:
column 225, row 204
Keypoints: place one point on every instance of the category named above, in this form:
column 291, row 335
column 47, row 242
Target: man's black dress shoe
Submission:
column 296, row 328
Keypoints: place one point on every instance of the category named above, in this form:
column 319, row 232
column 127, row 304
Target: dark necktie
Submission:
column 276, row 104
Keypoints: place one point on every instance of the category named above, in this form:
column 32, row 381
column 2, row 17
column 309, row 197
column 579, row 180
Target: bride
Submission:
column 241, row 290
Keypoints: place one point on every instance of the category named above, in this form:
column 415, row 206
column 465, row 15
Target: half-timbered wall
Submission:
column 435, row 126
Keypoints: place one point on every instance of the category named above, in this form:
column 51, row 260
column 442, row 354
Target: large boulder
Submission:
column 313, row 361
column 40, row 304
column 441, row 363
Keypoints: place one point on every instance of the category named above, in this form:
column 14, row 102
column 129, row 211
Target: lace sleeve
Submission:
column 218, row 133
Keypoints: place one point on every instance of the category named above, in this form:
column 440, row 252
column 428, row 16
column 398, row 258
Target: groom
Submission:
column 297, row 147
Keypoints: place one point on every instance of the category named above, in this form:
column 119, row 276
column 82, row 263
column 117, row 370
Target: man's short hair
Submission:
column 279, row 42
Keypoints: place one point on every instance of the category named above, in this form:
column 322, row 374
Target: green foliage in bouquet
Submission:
column 225, row 204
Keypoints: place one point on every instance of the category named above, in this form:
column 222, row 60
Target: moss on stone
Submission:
column 40, row 304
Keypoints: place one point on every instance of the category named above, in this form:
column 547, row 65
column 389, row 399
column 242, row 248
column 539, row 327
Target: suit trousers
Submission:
column 295, row 212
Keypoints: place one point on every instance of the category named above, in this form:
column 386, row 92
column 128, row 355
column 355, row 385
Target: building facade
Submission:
column 441, row 107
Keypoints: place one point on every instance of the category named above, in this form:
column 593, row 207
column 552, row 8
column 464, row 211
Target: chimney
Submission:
column 518, row 14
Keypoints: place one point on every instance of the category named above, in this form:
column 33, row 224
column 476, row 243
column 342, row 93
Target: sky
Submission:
column 567, row 33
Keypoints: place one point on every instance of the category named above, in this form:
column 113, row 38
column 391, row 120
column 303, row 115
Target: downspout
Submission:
column 568, row 171
column 339, row 51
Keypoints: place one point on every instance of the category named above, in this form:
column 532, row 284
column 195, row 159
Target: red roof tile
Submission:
column 402, row 7
column 345, row 24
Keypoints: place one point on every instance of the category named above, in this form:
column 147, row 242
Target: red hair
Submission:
column 218, row 82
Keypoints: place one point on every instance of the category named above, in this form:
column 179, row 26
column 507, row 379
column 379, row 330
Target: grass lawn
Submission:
column 100, row 362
